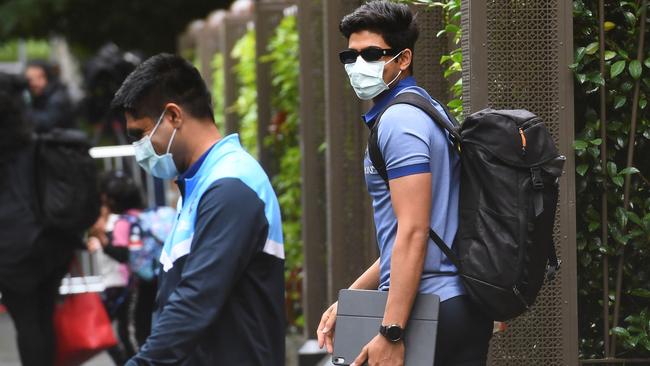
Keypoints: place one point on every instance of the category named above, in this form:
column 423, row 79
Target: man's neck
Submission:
column 205, row 139
column 403, row 76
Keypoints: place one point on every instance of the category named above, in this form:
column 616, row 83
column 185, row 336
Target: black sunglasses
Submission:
column 370, row 54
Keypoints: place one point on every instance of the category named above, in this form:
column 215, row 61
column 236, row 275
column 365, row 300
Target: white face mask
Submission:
column 367, row 78
column 160, row 166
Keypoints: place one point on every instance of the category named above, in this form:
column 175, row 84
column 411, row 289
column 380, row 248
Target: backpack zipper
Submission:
column 523, row 141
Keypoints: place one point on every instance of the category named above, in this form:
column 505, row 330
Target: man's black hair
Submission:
column 162, row 79
column 121, row 191
column 394, row 22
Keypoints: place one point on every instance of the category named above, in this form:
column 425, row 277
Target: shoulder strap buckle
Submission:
column 536, row 176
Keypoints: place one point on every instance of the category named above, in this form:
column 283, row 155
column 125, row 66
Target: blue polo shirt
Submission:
column 411, row 143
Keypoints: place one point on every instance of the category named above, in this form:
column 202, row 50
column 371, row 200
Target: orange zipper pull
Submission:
column 523, row 141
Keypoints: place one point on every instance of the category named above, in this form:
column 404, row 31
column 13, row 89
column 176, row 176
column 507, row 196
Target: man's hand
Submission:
column 381, row 352
column 325, row 331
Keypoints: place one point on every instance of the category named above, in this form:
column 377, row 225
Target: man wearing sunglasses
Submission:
column 422, row 192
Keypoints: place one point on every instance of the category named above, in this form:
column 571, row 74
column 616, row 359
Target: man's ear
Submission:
column 405, row 59
column 175, row 114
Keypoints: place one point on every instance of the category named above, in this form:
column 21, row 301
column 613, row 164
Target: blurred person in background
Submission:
column 50, row 105
column 103, row 74
column 33, row 258
column 113, row 234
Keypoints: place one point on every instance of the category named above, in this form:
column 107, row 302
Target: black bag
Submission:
column 508, row 196
column 66, row 180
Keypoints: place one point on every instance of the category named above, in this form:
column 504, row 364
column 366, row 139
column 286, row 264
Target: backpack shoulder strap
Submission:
column 420, row 102
column 378, row 162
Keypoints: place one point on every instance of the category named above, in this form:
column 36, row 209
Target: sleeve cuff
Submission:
column 408, row 170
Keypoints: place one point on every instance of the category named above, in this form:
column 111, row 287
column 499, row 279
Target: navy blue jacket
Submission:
column 223, row 302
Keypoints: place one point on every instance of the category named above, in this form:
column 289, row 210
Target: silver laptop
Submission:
column 360, row 313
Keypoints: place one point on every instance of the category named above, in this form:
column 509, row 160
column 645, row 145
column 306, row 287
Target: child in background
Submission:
column 116, row 230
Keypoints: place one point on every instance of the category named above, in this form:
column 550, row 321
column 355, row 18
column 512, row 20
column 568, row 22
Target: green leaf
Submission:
column 612, row 169
column 609, row 55
column 618, row 181
column 635, row 69
column 621, row 217
column 596, row 78
column 582, row 169
column 619, row 331
column 580, row 53
column 628, row 171
column 617, row 68
column 580, row 144
column 594, row 151
column 455, row 103
column 592, row 48
column 624, row 54
column 633, row 341
column 634, row 218
column 643, row 103
column 629, row 17
column 597, row 141
column 641, row 292
column 452, row 28
column 457, row 57
column 581, row 78
column 619, row 101
column 593, row 226
column 647, row 62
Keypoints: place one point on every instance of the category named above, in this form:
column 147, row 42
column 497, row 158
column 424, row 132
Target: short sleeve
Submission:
column 405, row 138
column 121, row 233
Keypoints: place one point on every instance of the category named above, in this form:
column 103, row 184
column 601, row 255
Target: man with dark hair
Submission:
column 50, row 105
column 221, row 291
column 421, row 192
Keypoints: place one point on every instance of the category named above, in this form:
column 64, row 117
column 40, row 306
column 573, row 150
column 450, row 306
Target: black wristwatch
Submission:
column 392, row 332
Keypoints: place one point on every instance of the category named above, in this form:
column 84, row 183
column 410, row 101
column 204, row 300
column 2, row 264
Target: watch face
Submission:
column 394, row 333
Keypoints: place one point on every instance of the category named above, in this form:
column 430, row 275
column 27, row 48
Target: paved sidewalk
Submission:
column 9, row 353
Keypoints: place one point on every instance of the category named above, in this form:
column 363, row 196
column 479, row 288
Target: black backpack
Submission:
column 66, row 180
column 508, row 196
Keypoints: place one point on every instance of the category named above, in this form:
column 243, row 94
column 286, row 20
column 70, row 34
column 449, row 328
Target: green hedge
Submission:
column 284, row 140
column 246, row 104
column 218, row 89
column 35, row 49
column 628, row 230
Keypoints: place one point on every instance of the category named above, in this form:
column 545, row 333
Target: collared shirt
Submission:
column 411, row 143
column 189, row 173
column 379, row 106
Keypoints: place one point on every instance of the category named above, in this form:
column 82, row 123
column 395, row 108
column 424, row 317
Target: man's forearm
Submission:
column 407, row 262
column 369, row 280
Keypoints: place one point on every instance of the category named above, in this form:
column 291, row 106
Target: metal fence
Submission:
column 516, row 55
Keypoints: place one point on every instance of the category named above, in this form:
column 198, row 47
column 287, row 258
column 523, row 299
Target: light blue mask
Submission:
column 367, row 78
column 160, row 166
